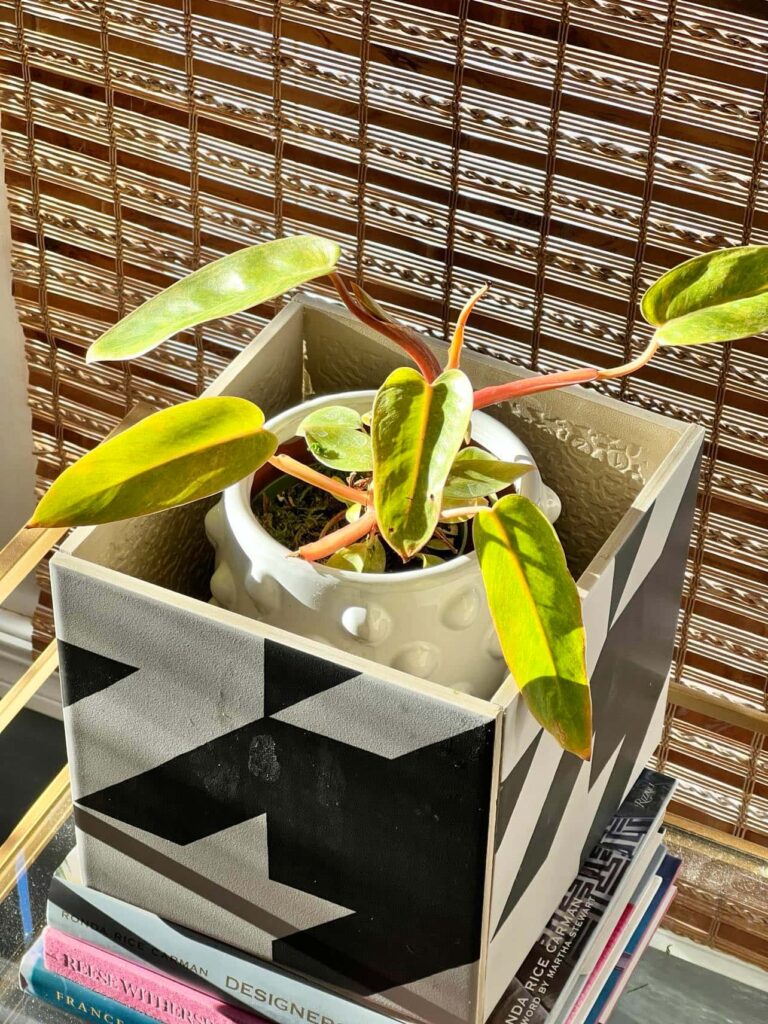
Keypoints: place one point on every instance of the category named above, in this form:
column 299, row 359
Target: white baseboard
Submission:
column 15, row 658
column 711, row 959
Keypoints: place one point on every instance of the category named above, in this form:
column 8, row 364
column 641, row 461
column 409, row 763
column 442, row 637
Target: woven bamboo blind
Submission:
column 567, row 152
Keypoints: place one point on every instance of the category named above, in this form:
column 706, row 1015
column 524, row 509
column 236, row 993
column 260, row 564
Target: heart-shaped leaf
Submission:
column 175, row 456
column 476, row 473
column 228, row 285
column 719, row 296
column 336, row 437
column 336, row 416
column 417, row 430
column 365, row 556
column 535, row 607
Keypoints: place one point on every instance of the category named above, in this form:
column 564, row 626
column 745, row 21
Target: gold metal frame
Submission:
column 720, row 708
column 40, row 823
column 35, row 830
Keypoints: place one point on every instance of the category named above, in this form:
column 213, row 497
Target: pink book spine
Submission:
column 615, row 936
column 140, row 988
column 641, row 948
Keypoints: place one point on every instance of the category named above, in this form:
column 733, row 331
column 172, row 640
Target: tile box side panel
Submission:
column 558, row 803
column 317, row 338
column 308, row 811
column 270, row 370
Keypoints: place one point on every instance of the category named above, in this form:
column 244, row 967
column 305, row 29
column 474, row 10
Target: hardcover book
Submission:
column 609, row 931
column 136, row 987
column 596, row 899
column 145, row 938
column 642, row 935
column 609, row 957
column 603, row 1008
column 70, row 996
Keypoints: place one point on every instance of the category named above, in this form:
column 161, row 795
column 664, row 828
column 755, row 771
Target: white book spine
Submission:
column 596, row 983
column 592, row 951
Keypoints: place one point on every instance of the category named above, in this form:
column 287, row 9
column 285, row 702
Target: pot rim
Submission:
column 250, row 532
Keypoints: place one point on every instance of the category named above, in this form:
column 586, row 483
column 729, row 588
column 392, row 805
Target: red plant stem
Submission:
column 532, row 385
column 402, row 336
column 454, row 353
column 310, row 476
column 326, row 546
column 332, row 522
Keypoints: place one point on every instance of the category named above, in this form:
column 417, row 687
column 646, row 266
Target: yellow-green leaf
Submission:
column 336, row 437
column 429, row 561
column 173, row 457
column 537, row 613
column 228, row 285
column 417, row 430
column 719, row 296
column 364, row 556
column 353, row 513
column 476, row 473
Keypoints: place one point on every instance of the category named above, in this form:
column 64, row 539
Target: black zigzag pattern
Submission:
column 294, row 676
column 84, row 673
column 512, row 787
column 635, row 661
column 400, row 841
column 632, row 666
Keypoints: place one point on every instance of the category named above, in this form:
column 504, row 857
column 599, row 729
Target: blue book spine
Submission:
column 70, row 997
column 668, row 872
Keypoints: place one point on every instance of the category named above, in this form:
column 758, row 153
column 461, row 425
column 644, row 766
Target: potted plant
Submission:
column 401, row 465
column 402, row 470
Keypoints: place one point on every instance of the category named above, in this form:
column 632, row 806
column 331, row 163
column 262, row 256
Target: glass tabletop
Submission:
column 22, row 918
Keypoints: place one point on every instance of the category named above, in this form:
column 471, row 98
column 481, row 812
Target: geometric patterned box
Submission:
column 384, row 836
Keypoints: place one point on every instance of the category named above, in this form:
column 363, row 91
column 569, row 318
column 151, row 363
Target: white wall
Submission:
column 17, row 472
column 17, row 464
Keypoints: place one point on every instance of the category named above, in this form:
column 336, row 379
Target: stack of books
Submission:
column 101, row 958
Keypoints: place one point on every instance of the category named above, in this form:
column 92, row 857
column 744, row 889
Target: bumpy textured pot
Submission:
column 433, row 623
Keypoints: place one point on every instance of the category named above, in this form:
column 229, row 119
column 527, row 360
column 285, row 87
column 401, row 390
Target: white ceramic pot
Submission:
column 433, row 623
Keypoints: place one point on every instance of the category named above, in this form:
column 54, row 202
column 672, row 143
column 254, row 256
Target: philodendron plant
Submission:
column 406, row 471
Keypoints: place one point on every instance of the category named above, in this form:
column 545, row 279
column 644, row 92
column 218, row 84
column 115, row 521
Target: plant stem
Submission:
column 532, row 385
column 338, row 539
column 293, row 467
column 622, row 371
column 332, row 522
column 547, row 381
column 454, row 352
column 465, row 510
column 408, row 340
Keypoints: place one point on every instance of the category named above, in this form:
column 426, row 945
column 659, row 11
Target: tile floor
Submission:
column 664, row 989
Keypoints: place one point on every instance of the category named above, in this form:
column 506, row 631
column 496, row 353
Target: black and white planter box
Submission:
column 380, row 834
